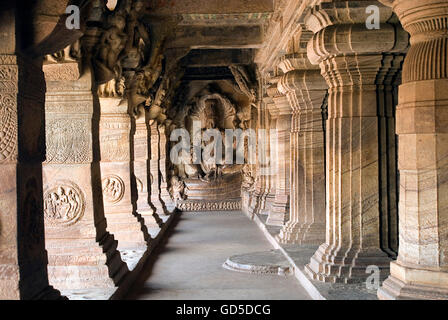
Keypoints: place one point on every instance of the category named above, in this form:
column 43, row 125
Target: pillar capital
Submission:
column 301, row 80
column 340, row 29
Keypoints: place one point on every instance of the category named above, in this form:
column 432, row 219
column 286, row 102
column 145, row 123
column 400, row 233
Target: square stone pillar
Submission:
column 115, row 130
column 421, row 269
column 82, row 254
column 170, row 205
column 142, row 176
column 23, row 259
column 156, row 199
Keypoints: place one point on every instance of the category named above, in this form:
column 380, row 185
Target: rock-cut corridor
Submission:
column 190, row 264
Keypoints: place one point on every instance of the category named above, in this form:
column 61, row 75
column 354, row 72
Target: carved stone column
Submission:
column 306, row 91
column 258, row 197
column 170, row 206
column 115, row 129
column 351, row 59
column 279, row 212
column 421, row 269
column 82, row 254
column 142, row 176
column 23, row 259
column 156, row 200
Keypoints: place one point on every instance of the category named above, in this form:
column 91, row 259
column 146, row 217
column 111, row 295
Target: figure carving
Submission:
column 177, row 188
column 113, row 189
column 63, row 204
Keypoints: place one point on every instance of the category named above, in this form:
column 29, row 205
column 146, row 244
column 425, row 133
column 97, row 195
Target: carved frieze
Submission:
column 64, row 204
column 68, row 141
column 209, row 206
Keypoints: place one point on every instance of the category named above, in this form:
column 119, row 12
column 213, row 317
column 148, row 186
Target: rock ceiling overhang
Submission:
column 214, row 23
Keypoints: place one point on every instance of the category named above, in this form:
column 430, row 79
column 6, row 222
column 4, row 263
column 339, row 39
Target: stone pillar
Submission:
column 421, row 269
column 82, row 253
column 115, row 129
column 351, row 59
column 306, row 91
column 279, row 213
column 257, row 199
column 156, row 200
column 142, row 176
column 23, row 259
column 170, row 206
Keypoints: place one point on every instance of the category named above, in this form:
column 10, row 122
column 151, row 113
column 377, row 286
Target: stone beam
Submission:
column 169, row 7
column 217, row 37
column 212, row 57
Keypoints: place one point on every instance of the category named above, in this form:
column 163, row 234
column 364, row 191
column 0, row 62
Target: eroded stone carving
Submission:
column 64, row 204
column 68, row 141
column 113, row 189
column 8, row 127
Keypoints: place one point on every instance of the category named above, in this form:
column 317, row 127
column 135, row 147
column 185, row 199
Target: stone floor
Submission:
column 299, row 255
column 190, row 264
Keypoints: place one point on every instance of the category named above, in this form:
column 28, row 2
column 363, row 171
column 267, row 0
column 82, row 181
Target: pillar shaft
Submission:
column 421, row 269
column 351, row 59
column 115, row 130
column 142, row 175
column 279, row 211
column 156, row 199
column 306, row 91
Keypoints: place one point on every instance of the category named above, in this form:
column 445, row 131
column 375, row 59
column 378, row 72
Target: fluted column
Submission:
column 306, row 91
column 82, row 254
column 421, row 269
column 351, row 57
column 279, row 211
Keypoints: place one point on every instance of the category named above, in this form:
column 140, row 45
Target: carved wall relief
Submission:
column 68, row 141
column 113, row 189
column 8, row 127
column 64, row 204
column 8, row 109
column 114, row 144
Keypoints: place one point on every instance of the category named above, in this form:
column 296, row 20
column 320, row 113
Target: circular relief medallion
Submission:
column 64, row 204
column 113, row 188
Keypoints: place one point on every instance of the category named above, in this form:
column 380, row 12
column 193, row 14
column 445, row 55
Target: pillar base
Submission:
column 278, row 215
column 127, row 229
column 84, row 264
column 333, row 265
column 297, row 233
column 407, row 283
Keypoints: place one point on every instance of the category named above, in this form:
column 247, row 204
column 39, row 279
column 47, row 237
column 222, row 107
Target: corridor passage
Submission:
column 190, row 264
